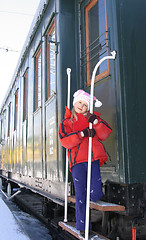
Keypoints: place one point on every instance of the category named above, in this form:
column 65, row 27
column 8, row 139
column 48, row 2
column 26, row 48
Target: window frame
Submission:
column 16, row 110
column 25, row 82
column 9, row 118
column 106, row 72
column 3, row 125
column 38, row 54
column 52, row 27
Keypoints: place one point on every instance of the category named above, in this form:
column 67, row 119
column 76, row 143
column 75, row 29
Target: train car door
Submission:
column 50, row 108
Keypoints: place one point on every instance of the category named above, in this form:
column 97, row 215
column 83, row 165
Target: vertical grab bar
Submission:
column 90, row 142
column 66, row 179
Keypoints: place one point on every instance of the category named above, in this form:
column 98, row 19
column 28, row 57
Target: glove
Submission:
column 92, row 118
column 88, row 132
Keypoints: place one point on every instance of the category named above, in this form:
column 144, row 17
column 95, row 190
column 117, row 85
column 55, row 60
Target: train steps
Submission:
column 101, row 206
column 70, row 227
column 104, row 207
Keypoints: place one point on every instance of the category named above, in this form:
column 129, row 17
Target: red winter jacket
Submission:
column 70, row 138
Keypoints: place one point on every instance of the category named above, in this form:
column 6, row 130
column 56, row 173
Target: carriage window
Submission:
column 16, row 110
column 9, row 119
column 51, row 62
column 3, row 125
column 25, row 96
column 96, row 40
column 38, row 79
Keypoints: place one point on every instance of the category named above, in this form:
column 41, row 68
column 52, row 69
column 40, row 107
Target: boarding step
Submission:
column 70, row 227
column 101, row 206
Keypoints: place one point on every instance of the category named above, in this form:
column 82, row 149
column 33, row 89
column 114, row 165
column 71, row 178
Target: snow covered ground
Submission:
column 18, row 225
column 9, row 227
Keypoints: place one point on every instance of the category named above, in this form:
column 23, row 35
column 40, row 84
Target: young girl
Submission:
column 74, row 135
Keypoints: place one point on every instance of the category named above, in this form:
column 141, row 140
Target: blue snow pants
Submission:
column 79, row 174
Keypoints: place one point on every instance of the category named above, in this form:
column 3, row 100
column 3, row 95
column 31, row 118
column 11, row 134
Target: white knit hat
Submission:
column 82, row 95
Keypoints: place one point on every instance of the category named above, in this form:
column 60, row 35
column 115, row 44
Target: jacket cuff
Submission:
column 79, row 135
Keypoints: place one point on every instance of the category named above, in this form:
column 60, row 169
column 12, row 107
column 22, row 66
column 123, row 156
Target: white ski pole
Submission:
column 90, row 142
column 66, row 178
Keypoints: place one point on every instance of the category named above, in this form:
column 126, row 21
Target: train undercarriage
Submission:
column 112, row 223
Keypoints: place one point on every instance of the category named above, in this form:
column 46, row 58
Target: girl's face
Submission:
column 81, row 107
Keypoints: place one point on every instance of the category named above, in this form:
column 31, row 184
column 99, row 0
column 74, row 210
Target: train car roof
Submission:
column 31, row 33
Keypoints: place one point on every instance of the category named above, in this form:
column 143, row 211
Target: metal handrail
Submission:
column 97, row 54
column 84, row 50
column 66, row 176
column 90, row 142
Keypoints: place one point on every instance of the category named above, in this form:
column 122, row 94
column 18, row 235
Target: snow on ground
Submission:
column 9, row 227
column 18, row 225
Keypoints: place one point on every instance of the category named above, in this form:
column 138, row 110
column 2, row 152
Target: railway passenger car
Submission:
column 76, row 34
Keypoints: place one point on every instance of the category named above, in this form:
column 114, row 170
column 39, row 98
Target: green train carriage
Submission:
column 77, row 34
